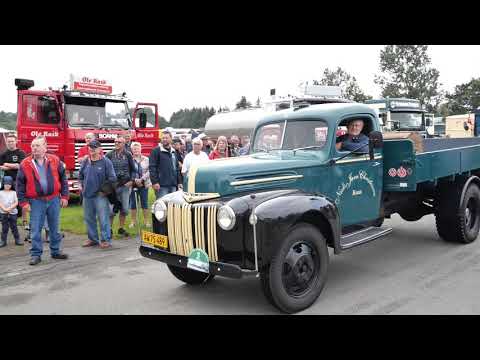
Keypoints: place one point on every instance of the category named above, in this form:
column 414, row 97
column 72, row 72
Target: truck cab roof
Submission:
column 328, row 112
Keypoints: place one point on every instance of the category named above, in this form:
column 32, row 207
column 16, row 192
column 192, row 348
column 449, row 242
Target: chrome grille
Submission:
column 106, row 146
column 192, row 226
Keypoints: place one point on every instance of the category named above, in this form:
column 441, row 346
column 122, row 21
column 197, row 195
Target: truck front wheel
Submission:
column 188, row 276
column 459, row 221
column 298, row 271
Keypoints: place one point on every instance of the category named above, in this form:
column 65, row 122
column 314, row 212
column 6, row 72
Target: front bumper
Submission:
column 216, row 268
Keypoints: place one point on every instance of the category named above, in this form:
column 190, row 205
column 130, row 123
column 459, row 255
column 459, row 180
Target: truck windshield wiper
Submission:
column 308, row 148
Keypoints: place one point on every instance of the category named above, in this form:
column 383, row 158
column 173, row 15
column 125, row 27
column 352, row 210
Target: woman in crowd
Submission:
column 141, row 186
column 221, row 149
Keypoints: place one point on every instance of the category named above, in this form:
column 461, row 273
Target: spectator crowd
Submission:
column 115, row 183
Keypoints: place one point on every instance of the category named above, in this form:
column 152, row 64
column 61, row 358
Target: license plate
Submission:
column 156, row 240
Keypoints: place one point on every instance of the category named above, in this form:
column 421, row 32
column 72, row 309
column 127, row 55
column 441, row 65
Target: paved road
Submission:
column 409, row 272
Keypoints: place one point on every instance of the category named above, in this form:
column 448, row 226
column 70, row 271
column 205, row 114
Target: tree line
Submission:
column 404, row 71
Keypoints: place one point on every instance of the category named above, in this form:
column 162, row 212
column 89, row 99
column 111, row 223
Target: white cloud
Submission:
column 185, row 76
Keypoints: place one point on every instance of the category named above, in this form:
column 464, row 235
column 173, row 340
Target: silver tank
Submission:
column 240, row 123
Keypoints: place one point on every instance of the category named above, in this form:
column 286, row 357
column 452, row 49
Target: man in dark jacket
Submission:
column 124, row 167
column 164, row 167
column 95, row 170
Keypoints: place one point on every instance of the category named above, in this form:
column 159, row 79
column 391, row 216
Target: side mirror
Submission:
column 375, row 142
column 143, row 120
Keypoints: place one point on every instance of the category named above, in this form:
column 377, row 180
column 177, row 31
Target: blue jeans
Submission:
column 164, row 190
column 50, row 210
column 93, row 207
column 142, row 194
column 123, row 195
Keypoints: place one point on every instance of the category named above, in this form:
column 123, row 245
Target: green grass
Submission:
column 71, row 218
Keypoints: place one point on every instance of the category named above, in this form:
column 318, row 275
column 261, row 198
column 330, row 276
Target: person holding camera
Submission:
column 140, row 186
column 124, row 167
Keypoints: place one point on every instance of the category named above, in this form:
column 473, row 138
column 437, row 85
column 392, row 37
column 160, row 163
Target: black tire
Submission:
column 411, row 213
column 294, row 288
column 458, row 222
column 190, row 277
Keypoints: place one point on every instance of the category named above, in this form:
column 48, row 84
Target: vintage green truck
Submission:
column 274, row 213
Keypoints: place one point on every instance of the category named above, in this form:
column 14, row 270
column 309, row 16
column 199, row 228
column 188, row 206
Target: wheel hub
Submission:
column 299, row 269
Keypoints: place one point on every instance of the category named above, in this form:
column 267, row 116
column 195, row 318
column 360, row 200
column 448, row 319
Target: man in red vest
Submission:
column 42, row 188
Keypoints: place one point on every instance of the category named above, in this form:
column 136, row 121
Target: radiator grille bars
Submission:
column 192, row 226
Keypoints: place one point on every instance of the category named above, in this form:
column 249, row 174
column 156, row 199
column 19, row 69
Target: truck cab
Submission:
column 64, row 116
column 402, row 114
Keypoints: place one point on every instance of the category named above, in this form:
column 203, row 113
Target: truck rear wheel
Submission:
column 459, row 222
column 190, row 277
column 298, row 271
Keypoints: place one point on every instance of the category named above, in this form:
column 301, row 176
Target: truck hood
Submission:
column 258, row 171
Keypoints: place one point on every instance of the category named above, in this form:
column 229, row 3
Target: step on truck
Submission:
column 274, row 213
column 65, row 115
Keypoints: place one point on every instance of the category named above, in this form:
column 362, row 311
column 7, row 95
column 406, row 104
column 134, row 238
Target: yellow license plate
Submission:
column 155, row 239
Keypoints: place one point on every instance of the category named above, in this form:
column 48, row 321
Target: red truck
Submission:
column 66, row 115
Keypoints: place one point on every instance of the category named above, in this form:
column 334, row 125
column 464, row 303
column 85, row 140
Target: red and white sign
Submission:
column 90, row 84
column 392, row 172
column 401, row 172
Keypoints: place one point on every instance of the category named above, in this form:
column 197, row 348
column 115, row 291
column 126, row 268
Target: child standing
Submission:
column 8, row 211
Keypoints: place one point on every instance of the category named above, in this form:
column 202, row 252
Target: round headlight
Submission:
column 226, row 217
column 159, row 209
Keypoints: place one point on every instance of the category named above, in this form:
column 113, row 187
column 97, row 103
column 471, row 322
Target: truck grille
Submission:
column 192, row 226
column 106, row 146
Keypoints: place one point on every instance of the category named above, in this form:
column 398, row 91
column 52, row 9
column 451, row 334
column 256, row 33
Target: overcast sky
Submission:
column 182, row 76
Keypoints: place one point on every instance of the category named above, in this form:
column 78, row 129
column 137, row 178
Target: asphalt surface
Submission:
column 410, row 271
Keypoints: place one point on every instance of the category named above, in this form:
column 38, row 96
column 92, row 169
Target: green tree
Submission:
column 406, row 72
column 348, row 84
column 257, row 103
column 8, row 120
column 465, row 98
column 243, row 103
column 191, row 118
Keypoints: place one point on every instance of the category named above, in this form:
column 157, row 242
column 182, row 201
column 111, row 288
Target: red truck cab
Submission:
column 65, row 116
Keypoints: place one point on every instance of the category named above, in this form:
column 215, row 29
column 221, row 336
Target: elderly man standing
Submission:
column 84, row 151
column 164, row 167
column 194, row 157
column 95, row 170
column 42, row 188
column 125, row 169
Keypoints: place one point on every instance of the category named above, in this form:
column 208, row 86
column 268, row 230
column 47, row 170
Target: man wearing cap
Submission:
column 354, row 138
column 94, row 172
column 42, row 187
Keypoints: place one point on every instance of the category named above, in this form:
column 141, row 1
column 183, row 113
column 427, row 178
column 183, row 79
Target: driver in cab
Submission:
column 354, row 138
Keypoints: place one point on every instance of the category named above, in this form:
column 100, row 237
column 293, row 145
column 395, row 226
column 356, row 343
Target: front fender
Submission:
column 275, row 218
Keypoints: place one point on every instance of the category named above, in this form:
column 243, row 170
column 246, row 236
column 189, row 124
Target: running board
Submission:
column 356, row 238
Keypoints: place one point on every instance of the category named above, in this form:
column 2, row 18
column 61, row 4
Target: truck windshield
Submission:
column 99, row 113
column 406, row 120
column 298, row 134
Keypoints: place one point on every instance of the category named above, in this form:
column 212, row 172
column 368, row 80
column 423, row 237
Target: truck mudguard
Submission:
column 275, row 218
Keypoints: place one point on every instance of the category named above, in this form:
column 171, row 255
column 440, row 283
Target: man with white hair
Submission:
column 193, row 157
column 42, row 188
column 84, row 151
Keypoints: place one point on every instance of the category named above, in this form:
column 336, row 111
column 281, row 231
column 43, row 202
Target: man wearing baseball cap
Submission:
column 95, row 171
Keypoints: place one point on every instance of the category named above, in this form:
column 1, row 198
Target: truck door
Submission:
column 357, row 185
column 39, row 114
column 146, row 125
